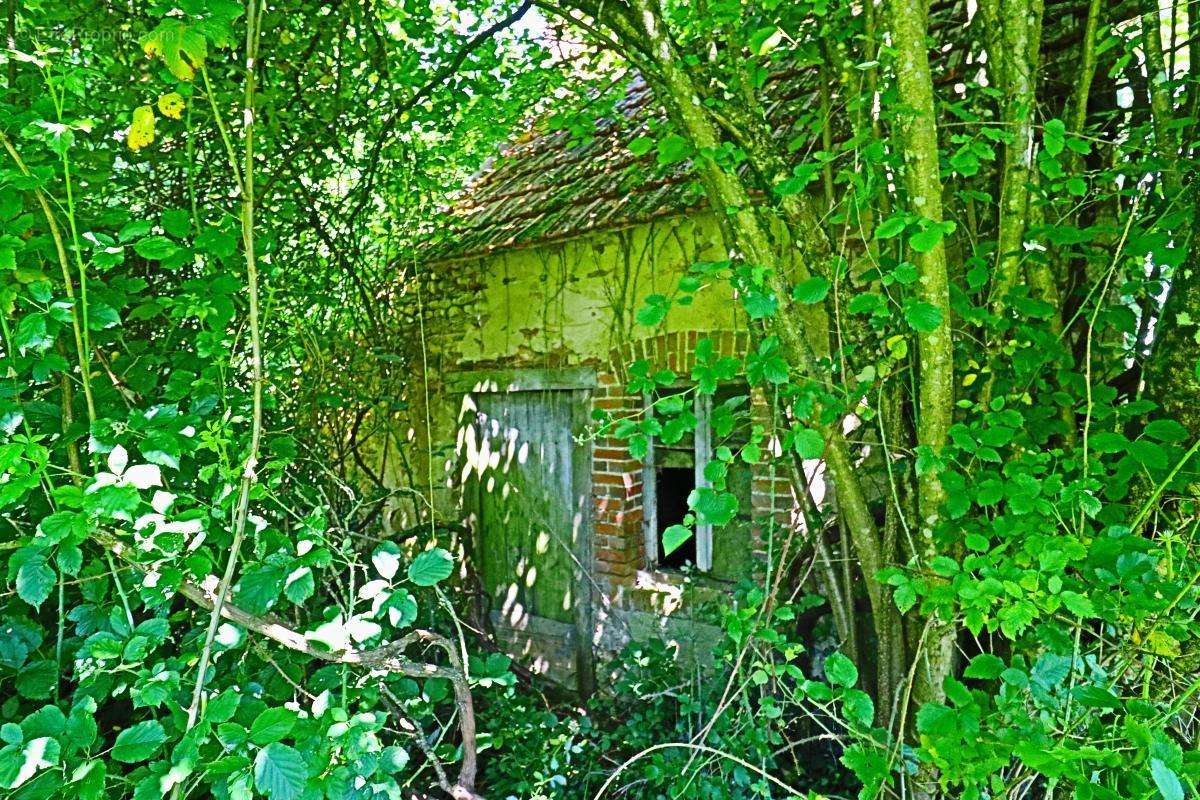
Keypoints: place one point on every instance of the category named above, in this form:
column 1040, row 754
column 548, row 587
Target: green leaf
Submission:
column 965, row 162
column 841, row 670
column 300, row 585
column 386, row 560
column 759, row 305
column 858, row 708
column 32, row 334
column 1078, row 605
column 935, row 720
column 764, row 40
column 393, row 759
column 673, row 148
column 654, row 311
column 925, row 240
column 177, row 222
column 985, row 667
column 977, row 276
column 222, row 707
column 10, row 205
column 712, row 506
column 905, row 596
column 430, row 567
column 673, row 537
column 795, row 185
column 892, row 226
column 37, row 680
column 102, row 317
column 19, row 764
column 139, row 742
column 923, row 317
column 808, row 443
column 46, row 721
column 1166, row 780
column 865, row 303
column 155, row 248
column 60, row 525
column 1107, row 442
column 35, row 579
column 89, row 779
column 259, row 587
column 1166, row 430
column 641, row 145
column 1149, row 454
column 811, row 291
column 272, row 725
column 944, row 566
column 1093, row 696
column 279, row 772
column 1053, row 136
column 1016, row 618
column 181, row 46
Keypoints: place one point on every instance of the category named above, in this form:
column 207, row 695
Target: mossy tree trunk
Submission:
column 753, row 229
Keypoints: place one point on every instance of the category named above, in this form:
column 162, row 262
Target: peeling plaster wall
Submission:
column 574, row 304
column 559, row 305
column 569, row 304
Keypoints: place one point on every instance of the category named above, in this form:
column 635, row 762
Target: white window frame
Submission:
column 702, row 447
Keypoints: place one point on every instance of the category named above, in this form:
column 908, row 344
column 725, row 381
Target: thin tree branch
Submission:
column 387, row 658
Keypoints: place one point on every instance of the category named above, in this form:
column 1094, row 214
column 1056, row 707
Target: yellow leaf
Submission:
column 969, row 379
column 1161, row 644
column 141, row 130
column 171, row 105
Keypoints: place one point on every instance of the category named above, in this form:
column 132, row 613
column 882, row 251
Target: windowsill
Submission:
column 670, row 581
column 677, row 577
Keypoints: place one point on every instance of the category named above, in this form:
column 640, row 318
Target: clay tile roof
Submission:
column 545, row 187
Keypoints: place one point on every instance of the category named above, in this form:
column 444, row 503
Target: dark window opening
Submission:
column 672, row 485
column 671, row 477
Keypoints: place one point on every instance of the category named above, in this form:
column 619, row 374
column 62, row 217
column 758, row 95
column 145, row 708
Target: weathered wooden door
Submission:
column 528, row 499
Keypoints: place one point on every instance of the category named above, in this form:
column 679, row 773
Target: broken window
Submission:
column 675, row 466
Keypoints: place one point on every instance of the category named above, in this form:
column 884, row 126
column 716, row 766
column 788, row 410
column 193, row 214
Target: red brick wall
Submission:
column 617, row 491
column 617, row 477
column 771, row 495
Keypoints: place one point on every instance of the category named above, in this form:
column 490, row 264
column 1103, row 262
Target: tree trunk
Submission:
column 750, row 229
column 935, row 402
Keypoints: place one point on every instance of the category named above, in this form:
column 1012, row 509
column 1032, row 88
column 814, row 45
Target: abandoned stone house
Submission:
column 529, row 328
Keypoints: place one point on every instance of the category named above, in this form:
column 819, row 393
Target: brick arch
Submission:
column 674, row 350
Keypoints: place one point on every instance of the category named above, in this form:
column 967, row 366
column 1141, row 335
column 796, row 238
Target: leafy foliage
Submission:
column 204, row 258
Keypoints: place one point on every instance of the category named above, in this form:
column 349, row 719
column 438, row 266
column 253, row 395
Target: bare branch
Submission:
column 388, row 658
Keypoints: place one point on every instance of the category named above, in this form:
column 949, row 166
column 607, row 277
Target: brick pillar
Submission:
column 617, row 488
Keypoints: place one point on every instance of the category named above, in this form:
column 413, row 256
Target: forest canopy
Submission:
column 928, row 490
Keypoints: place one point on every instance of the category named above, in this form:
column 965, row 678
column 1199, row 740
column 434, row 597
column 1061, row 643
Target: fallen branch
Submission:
column 388, row 658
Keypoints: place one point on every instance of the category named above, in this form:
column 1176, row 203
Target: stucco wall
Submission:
column 557, row 305
column 572, row 303
column 568, row 305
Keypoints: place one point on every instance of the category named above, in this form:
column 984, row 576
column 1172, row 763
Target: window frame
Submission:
column 702, row 454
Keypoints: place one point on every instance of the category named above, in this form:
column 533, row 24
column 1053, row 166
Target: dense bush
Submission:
column 968, row 271
column 741, row 700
